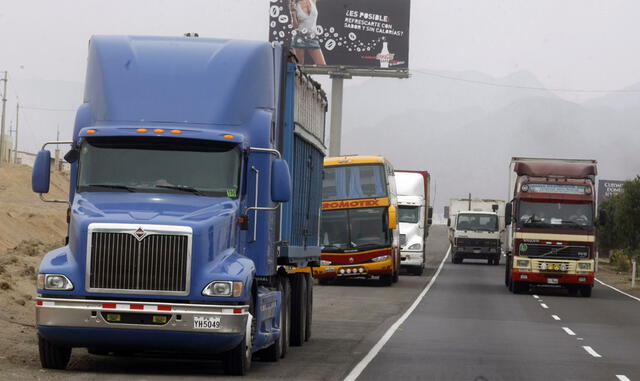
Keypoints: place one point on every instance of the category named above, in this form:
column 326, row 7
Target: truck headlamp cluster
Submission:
column 54, row 282
column 524, row 188
column 587, row 190
column 585, row 266
column 415, row 246
column 223, row 288
column 522, row 263
column 380, row 258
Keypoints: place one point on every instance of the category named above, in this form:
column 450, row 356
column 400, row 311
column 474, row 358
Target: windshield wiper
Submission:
column 183, row 188
column 114, row 186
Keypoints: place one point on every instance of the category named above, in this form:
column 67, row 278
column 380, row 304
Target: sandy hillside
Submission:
column 28, row 229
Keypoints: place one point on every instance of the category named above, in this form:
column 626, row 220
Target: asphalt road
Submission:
column 469, row 327
column 349, row 318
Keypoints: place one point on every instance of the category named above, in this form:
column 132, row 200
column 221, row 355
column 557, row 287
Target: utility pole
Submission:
column 15, row 143
column 4, row 108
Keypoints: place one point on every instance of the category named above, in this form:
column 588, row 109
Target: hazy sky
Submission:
column 579, row 44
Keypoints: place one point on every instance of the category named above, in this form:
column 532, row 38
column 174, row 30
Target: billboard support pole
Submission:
column 337, row 86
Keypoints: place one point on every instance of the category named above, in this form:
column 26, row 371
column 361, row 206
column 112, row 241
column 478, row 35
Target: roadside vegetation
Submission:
column 620, row 235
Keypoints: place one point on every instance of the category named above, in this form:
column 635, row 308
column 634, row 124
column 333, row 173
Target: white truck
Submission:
column 476, row 227
column 414, row 217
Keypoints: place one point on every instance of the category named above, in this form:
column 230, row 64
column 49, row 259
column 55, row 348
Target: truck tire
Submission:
column 309, row 307
column 418, row 270
column 585, row 291
column 237, row 361
column 53, row 356
column 386, row 280
column 298, row 309
column 286, row 289
column 520, row 287
column 275, row 351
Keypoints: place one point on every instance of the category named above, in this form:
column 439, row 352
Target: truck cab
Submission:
column 476, row 227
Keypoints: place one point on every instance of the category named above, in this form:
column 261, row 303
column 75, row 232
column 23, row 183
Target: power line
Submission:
column 485, row 83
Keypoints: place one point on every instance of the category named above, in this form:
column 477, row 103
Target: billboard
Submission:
column 370, row 34
column 607, row 188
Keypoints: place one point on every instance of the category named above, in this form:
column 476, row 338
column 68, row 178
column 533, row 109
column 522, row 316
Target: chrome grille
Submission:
column 157, row 263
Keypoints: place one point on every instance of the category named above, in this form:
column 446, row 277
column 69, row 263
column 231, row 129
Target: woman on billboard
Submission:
column 304, row 16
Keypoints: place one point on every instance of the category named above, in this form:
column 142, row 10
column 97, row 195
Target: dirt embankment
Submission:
column 28, row 229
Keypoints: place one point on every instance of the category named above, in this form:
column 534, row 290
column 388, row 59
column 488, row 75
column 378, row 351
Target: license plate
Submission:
column 552, row 280
column 206, row 322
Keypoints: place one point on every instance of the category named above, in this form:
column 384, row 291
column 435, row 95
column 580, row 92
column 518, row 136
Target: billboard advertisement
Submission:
column 607, row 188
column 353, row 33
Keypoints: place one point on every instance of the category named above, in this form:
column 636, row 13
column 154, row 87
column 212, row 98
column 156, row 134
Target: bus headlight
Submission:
column 54, row 282
column 380, row 258
column 223, row 288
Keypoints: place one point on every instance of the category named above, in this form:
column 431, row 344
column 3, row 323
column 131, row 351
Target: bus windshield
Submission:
column 354, row 229
column 349, row 182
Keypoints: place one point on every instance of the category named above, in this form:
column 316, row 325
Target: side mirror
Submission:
column 603, row 217
column 393, row 217
column 41, row 175
column 507, row 214
column 280, row 181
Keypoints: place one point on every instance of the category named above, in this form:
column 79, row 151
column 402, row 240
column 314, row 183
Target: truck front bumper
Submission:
column 553, row 278
column 475, row 252
column 361, row 269
column 411, row 258
column 143, row 316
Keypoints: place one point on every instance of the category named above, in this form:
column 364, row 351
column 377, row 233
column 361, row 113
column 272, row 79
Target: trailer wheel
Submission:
column 298, row 309
column 237, row 361
column 53, row 356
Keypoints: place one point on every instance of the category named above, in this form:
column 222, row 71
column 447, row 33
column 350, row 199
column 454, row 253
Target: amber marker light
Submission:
column 91, row 131
column 141, row 130
column 158, row 131
column 176, row 132
column 227, row 136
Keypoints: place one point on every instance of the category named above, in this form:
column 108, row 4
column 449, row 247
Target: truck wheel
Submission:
column 507, row 267
column 396, row 276
column 418, row 270
column 276, row 350
column 309, row 320
column 298, row 309
column 237, row 361
column 53, row 356
column 585, row 291
column 386, row 280
column 520, row 287
column 496, row 260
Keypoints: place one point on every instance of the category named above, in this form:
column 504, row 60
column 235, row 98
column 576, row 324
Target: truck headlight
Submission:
column 223, row 288
column 325, row 263
column 54, row 282
column 380, row 258
column 522, row 263
column 415, row 246
column 584, row 266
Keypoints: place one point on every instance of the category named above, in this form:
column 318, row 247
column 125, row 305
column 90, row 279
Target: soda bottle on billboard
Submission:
column 384, row 56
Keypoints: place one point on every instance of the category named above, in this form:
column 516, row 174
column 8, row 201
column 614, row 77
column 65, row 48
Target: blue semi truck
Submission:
column 194, row 204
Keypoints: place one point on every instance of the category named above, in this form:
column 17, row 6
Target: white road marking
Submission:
column 580, row 338
column 569, row 331
column 536, row 296
column 591, row 351
column 360, row 367
column 556, row 317
column 613, row 288
column 622, row 377
column 543, row 305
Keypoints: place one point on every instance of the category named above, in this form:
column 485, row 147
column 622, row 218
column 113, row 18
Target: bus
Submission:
column 358, row 229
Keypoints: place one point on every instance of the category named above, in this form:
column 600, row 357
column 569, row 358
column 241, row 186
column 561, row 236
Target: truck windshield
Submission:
column 555, row 215
column 157, row 165
column 410, row 214
column 354, row 182
column 478, row 222
column 354, row 229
